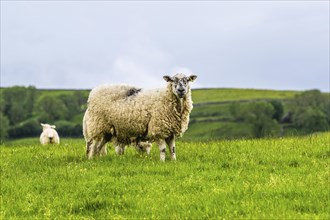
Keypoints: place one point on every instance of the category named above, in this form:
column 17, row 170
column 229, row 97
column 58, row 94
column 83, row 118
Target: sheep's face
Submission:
column 180, row 84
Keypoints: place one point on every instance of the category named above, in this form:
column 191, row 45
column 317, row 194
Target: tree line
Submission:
column 306, row 113
column 22, row 109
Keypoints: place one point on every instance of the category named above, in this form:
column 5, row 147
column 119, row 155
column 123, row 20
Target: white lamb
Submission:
column 122, row 113
column 49, row 135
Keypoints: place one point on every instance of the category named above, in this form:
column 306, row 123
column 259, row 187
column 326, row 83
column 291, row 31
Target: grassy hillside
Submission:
column 211, row 114
column 211, row 117
column 58, row 92
column 207, row 95
column 268, row 178
column 223, row 94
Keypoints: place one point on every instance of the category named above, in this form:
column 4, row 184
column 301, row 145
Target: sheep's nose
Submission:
column 181, row 90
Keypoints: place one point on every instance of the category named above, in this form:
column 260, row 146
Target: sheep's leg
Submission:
column 90, row 149
column 120, row 149
column 171, row 144
column 148, row 148
column 95, row 147
column 101, row 148
column 93, row 150
column 162, row 149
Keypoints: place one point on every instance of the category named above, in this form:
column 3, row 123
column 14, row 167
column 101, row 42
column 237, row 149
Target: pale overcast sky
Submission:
column 282, row 45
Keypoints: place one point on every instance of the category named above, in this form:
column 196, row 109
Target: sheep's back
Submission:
column 110, row 92
column 133, row 113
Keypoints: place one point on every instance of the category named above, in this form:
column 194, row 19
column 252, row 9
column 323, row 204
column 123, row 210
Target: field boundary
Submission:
column 237, row 101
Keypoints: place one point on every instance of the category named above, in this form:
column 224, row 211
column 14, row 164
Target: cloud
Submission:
column 140, row 63
column 128, row 71
column 275, row 45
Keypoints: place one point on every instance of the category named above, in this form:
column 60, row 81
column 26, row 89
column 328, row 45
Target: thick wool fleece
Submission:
column 49, row 136
column 149, row 115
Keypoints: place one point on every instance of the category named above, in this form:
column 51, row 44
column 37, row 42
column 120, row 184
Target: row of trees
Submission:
column 309, row 112
column 24, row 108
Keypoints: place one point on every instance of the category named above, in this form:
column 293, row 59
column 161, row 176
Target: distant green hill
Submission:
column 224, row 94
column 205, row 95
column 216, row 112
column 211, row 117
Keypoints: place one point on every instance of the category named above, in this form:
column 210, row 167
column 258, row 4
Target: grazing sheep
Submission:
column 122, row 113
column 140, row 146
column 49, row 135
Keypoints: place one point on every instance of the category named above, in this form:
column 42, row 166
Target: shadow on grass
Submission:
column 89, row 206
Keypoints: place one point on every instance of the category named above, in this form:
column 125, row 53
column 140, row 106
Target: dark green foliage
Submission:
column 28, row 128
column 68, row 129
column 279, row 109
column 4, row 121
column 24, row 108
column 311, row 119
column 18, row 103
column 73, row 105
column 2, row 101
column 260, row 116
column 235, row 112
column 4, row 126
column 51, row 109
column 311, row 111
column 81, row 99
column 312, row 98
column 209, row 120
column 61, row 107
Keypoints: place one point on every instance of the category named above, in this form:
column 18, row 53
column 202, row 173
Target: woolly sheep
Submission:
column 121, row 112
column 122, row 92
column 49, row 135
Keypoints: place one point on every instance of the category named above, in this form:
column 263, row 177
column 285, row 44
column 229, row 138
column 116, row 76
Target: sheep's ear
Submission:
column 168, row 78
column 53, row 126
column 192, row 78
column 43, row 125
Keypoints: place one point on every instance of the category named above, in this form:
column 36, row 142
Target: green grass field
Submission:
column 268, row 178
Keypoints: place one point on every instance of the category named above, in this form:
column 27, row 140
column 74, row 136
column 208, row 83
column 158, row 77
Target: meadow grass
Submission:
column 213, row 130
column 268, row 178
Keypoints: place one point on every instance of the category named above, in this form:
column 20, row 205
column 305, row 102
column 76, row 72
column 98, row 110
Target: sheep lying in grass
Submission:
column 49, row 135
column 121, row 113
